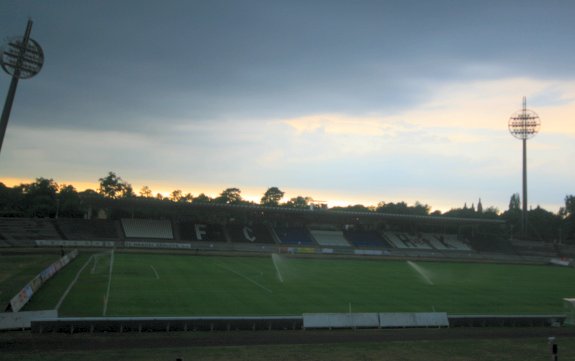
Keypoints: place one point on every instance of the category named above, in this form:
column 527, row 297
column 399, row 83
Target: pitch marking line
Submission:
column 155, row 272
column 109, row 284
column 73, row 283
column 96, row 259
column 247, row 279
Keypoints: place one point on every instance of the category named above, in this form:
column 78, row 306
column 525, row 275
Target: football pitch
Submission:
column 144, row 284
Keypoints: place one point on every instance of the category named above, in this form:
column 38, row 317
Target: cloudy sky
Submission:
column 344, row 101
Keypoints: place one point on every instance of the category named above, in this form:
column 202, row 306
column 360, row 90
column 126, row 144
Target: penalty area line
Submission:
column 247, row 279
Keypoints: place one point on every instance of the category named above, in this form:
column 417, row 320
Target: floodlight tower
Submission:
column 22, row 58
column 523, row 125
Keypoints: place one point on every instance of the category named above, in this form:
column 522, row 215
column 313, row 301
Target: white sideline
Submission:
column 247, row 278
column 155, row 272
column 109, row 284
column 72, row 283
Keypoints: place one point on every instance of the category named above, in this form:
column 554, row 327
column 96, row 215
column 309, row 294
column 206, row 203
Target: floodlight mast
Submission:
column 523, row 125
column 21, row 58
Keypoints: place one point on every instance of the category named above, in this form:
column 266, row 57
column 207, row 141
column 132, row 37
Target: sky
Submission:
column 344, row 101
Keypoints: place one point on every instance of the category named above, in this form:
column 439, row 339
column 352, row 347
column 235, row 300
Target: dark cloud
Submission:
column 116, row 65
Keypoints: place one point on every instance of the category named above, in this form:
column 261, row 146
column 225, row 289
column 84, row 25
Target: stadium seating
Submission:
column 242, row 233
column 365, row 239
column 81, row 229
column 201, row 232
column 405, row 241
column 147, row 229
column 329, row 238
column 492, row 244
column 446, row 242
column 322, row 236
column 23, row 231
column 294, row 235
column 451, row 239
column 534, row 248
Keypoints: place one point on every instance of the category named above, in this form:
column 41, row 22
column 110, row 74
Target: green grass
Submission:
column 181, row 285
column 51, row 293
column 16, row 270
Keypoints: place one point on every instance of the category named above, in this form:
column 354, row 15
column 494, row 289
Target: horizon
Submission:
column 254, row 195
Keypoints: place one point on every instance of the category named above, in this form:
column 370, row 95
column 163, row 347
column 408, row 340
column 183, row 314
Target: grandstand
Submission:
column 82, row 229
column 22, row 231
column 251, row 228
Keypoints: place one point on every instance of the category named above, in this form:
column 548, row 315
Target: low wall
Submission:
column 165, row 324
column 71, row 243
column 316, row 321
column 23, row 320
column 506, row 320
column 340, row 320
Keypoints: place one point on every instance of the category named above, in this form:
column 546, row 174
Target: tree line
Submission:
column 46, row 198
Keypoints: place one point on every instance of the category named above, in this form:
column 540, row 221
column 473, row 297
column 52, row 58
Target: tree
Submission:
column 568, row 214
column 176, row 196
column 354, row 208
column 11, row 200
column 544, row 225
column 272, row 197
column 69, row 204
column 115, row 187
column 513, row 214
column 490, row 212
column 569, row 206
column 40, row 197
column 402, row 208
column 202, row 198
column 146, row 192
column 299, row 202
column 229, row 196
column 515, row 202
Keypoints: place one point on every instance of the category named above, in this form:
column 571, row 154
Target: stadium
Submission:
column 350, row 100
column 195, row 268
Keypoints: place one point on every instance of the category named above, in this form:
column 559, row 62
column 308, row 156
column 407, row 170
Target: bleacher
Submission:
column 492, row 244
column 294, row 235
column 534, row 248
column 201, row 232
column 403, row 240
column 446, row 242
column 260, row 237
column 242, row 233
column 365, row 239
column 147, row 228
column 24, row 231
column 329, row 238
column 426, row 241
column 81, row 229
